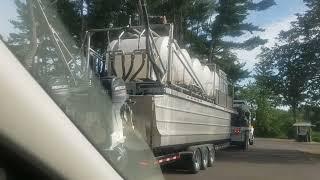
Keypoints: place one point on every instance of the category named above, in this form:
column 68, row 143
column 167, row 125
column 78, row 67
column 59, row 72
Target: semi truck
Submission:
column 242, row 125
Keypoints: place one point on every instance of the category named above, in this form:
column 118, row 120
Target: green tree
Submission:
column 230, row 23
column 103, row 14
column 206, row 25
column 257, row 97
column 294, row 62
column 269, row 122
column 32, row 42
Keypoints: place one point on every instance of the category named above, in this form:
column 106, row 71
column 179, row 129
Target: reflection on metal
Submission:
column 191, row 112
column 195, row 123
column 29, row 58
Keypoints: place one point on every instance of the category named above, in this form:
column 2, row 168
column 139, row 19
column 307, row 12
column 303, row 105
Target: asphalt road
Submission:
column 268, row 159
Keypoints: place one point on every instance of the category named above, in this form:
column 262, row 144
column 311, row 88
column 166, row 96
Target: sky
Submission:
column 273, row 20
column 7, row 13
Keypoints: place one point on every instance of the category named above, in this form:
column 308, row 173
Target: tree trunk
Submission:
column 294, row 111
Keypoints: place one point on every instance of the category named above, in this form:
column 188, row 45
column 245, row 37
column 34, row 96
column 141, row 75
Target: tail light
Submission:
column 236, row 131
column 168, row 159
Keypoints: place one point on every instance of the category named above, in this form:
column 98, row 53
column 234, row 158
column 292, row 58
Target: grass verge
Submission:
column 316, row 136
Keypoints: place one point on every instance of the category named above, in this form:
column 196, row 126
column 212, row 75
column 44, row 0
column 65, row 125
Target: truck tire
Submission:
column 211, row 157
column 195, row 162
column 204, row 158
column 251, row 142
column 245, row 144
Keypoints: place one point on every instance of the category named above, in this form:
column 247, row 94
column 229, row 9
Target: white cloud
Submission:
column 271, row 32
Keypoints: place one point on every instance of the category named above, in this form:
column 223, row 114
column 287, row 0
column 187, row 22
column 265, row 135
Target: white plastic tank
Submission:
column 179, row 74
column 130, row 45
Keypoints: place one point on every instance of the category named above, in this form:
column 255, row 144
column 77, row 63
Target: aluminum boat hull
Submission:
column 175, row 118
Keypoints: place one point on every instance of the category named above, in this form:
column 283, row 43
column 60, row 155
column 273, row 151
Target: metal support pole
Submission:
column 170, row 55
column 88, row 70
column 214, row 82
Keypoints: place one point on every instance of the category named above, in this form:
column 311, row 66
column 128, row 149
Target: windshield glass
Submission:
column 36, row 33
column 161, row 85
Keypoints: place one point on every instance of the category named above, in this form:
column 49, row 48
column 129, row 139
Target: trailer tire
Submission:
column 211, row 157
column 204, row 158
column 195, row 162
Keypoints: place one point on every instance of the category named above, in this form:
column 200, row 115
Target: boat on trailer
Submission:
column 178, row 101
column 181, row 108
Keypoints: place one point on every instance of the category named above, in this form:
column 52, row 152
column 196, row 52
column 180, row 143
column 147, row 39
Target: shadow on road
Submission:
column 264, row 156
column 171, row 170
column 257, row 156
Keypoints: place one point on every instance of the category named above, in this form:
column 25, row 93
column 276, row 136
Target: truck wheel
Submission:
column 251, row 141
column 204, row 158
column 196, row 162
column 245, row 145
column 211, row 157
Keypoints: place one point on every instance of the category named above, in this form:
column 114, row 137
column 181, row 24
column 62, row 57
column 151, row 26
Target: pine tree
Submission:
column 204, row 25
column 230, row 23
column 31, row 41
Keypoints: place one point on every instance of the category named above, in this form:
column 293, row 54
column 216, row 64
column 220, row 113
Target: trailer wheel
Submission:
column 196, row 162
column 211, row 157
column 204, row 158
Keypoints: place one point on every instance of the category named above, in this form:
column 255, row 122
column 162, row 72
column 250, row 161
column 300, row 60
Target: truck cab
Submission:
column 242, row 131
